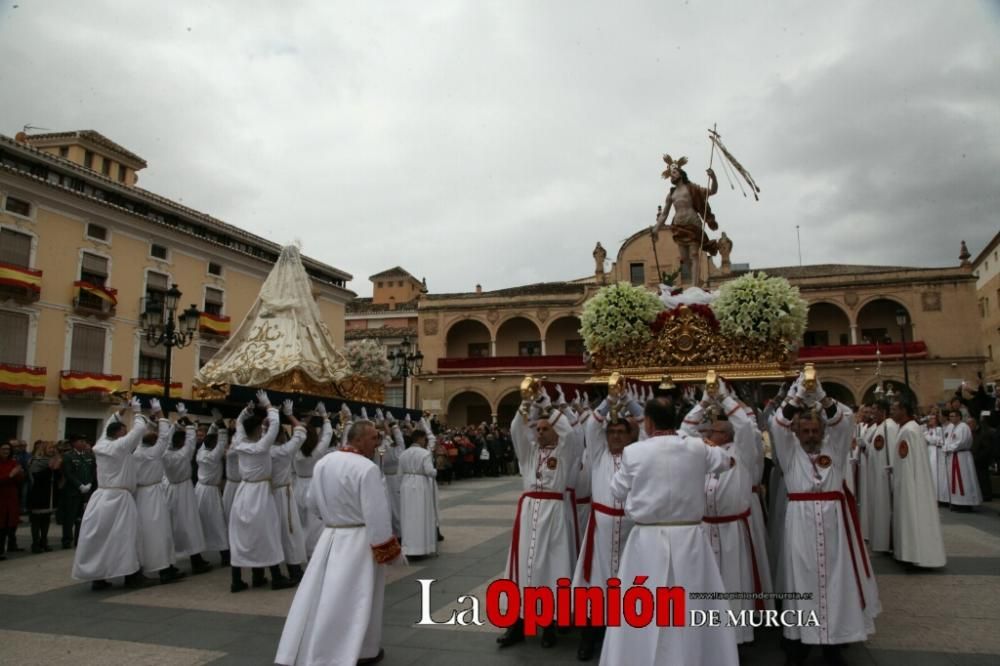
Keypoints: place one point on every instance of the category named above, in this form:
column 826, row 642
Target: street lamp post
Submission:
column 903, row 320
column 161, row 330
column 406, row 361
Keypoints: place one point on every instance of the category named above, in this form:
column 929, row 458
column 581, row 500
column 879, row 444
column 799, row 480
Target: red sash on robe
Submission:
column 588, row 551
column 837, row 496
column 513, row 568
column 956, row 475
column 745, row 519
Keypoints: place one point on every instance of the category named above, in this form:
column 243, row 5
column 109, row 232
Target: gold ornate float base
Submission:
column 687, row 347
column 355, row 388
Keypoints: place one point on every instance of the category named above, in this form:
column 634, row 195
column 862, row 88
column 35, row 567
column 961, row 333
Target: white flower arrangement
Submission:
column 617, row 315
column 761, row 308
column 368, row 359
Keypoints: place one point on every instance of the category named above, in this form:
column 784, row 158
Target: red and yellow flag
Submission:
column 22, row 378
column 71, row 382
column 106, row 293
column 154, row 387
column 214, row 324
column 19, row 276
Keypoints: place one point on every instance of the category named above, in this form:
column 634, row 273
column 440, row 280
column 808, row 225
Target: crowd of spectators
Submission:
column 52, row 479
column 473, row 451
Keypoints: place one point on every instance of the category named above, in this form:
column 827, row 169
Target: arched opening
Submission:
column 468, row 408
column 877, row 322
column 563, row 338
column 827, row 325
column 890, row 389
column 839, row 392
column 468, row 338
column 508, row 407
column 519, row 336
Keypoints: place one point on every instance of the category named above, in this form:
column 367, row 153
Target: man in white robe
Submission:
column 189, row 539
column 879, row 486
column 254, row 527
column 728, row 497
column 336, row 616
column 293, row 537
column 312, row 450
column 418, row 512
column 157, row 554
column 823, row 553
column 862, row 435
column 608, row 432
column 208, row 491
column 963, row 485
column 934, row 434
column 662, row 483
column 916, row 527
column 542, row 542
column 109, row 534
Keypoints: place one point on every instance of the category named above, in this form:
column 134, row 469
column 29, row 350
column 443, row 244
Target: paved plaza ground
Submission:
column 950, row 617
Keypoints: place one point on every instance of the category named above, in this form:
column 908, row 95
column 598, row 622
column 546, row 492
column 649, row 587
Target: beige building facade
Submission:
column 479, row 345
column 986, row 268
column 83, row 253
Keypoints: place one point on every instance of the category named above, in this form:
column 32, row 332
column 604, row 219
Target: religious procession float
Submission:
column 284, row 347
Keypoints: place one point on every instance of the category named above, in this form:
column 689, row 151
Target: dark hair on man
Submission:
column 418, row 435
column 664, row 416
column 253, row 423
column 177, row 439
column 115, row 430
column 882, row 405
column 620, row 423
column 684, row 176
column 907, row 406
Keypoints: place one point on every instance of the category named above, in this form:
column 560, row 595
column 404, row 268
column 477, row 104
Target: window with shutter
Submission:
column 15, row 248
column 213, row 301
column 94, row 269
column 205, row 354
column 13, row 337
column 87, row 352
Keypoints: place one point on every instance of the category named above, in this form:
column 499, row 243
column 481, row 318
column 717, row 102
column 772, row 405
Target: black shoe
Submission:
column 513, row 635
column 587, row 646
column 66, row 546
column 238, row 587
column 282, row 583
column 135, row 581
column 15, row 549
column 36, row 549
column 224, row 555
column 259, row 582
column 200, row 568
column 549, row 636
column 295, row 573
column 171, row 575
column 832, row 656
column 98, row 585
column 46, row 548
column 372, row 660
column 440, row 536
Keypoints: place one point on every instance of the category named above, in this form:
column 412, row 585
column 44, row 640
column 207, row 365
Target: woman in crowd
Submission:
column 11, row 476
column 45, row 473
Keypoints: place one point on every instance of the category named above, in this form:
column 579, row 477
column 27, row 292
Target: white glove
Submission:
column 389, row 417
column 247, row 412
column 154, row 406
column 286, row 408
column 320, row 409
column 345, row 412
column 262, row 399
column 181, row 410
column 364, row 414
column 560, row 396
column 134, row 404
column 586, row 400
column 213, row 429
column 407, row 419
column 379, row 416
column 819, row 394
column 85, row 488
column 216, row 415
column 724, row 391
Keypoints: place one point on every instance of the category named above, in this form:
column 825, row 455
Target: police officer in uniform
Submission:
column 80, row 471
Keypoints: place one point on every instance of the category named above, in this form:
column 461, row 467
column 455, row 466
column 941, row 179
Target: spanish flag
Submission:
column 214, row 324
column 19, row 276
column 88, row 382
column 107, row 293
column 22, row 378
column 154, row 386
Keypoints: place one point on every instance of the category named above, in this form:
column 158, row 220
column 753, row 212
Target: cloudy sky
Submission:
column 497, row 142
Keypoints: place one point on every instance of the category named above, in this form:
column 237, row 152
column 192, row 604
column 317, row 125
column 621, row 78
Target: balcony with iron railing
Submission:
column 94, row 299
column 568, row 363
column 20, row 283
column 865, row 352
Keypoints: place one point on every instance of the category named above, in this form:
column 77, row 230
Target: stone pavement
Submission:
column 949, row 617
